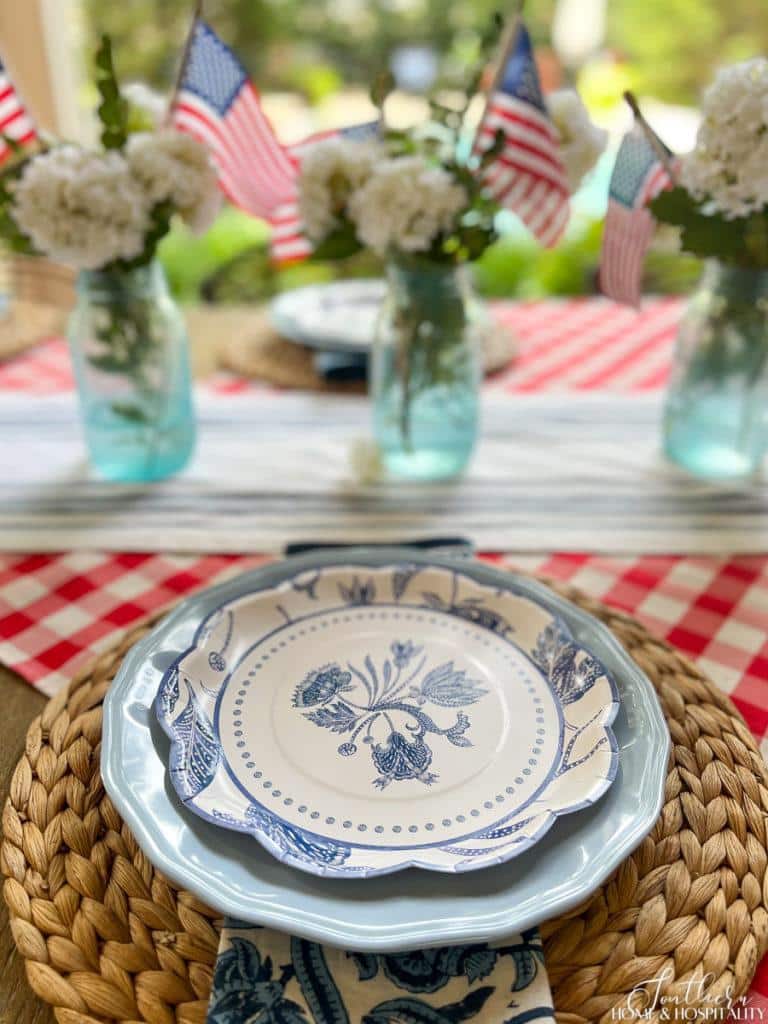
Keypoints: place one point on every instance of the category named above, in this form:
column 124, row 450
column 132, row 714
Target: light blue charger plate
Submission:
column 234, row 875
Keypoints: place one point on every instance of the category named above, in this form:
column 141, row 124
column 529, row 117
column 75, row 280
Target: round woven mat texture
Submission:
column 252, row 348
column 107, row 938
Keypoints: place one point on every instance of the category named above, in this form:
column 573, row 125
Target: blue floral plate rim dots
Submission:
column 237, row 877
column 361, row 719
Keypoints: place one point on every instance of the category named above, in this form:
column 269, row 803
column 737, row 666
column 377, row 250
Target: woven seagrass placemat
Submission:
column 106, row 938
column 26, row 324
column 257, row 351
column 40, row 295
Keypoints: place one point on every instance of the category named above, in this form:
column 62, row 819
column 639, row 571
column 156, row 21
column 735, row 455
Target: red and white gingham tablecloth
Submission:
column 57, row 610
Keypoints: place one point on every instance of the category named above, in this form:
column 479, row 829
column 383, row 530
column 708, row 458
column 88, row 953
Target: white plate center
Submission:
column 388, row 725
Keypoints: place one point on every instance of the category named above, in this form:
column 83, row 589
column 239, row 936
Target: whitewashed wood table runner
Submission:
column 577, row 472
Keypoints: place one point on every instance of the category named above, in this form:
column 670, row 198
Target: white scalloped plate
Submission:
column 238, row 877
column 359, row 720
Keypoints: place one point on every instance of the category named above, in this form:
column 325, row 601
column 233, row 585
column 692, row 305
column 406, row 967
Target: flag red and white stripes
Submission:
column 15, row 122
column 289, row 243
column 218, row 104
column 638, row 176
column 527, row 176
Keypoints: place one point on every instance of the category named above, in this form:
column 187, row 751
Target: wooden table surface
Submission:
column 20, row 703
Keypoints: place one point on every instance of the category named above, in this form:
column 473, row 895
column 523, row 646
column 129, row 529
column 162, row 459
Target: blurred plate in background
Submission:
column 339, row 317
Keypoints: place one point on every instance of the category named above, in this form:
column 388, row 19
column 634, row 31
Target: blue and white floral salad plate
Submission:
column 238, row 877
column 359, row 720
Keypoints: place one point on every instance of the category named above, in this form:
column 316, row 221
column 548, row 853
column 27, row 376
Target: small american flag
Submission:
column 218, row 104
column 289, row 243
column 638, row 176
column 363, row 132
column 15, row 122
column 528, row 175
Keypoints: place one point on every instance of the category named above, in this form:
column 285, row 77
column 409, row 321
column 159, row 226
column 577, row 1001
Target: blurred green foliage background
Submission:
column 232, row 264
column 669, row 47
column 666, row 49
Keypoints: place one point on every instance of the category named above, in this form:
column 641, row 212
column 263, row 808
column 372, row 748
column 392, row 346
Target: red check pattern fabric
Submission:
column 56, row 609
column 588, row 345
column 42, row 370
column 578, row 344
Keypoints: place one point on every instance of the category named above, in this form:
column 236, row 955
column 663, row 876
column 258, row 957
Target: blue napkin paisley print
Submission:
column 267, row 977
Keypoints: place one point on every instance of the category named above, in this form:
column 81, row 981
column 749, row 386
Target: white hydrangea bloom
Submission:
column 330, row 172
column 173, row 166
column 729, row 165
column 581, row 141
column 405, row 204
column 82, row 208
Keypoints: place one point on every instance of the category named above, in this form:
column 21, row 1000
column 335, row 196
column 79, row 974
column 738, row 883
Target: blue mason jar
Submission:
column 131, row 356
column 425, row 372
column 716, row 415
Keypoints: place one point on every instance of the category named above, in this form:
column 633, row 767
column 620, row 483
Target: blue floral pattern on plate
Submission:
column 472, row 694
column 356, row 699
column 239, row 878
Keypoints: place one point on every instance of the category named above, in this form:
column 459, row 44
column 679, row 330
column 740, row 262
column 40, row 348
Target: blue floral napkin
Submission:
column 270, row 977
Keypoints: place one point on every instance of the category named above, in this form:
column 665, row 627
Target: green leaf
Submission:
column 132, row 413
column 496, row 147
column 159, row 225
column 743, row 241
column 13, row 145
column 103, row 57
column 675, row 206
column 383, row 85
column 11, row 234
column 444, row 115
column 399, row 143
column 113, row 109
column 108, row 363
column 335, row 248
column 475, row 240
column 492, row 33
column 756, row 239
column 110, row 112
column 339, row 245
